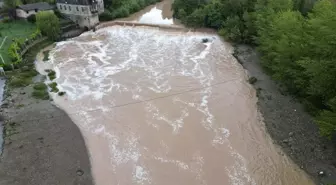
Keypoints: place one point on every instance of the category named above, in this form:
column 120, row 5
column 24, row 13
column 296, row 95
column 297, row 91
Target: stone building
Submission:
column 24, row 11
column 82, row 12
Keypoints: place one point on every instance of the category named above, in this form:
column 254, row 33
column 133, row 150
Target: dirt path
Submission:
column 288, row 124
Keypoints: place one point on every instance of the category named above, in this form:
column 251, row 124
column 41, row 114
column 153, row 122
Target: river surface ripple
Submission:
column 163, row 108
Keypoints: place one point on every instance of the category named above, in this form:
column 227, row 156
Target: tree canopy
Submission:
column 122, row 8
column 49, row 24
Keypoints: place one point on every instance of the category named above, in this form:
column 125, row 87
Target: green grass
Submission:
column 40, row 91
column 52, row 75
column 53, row 87
column 23, row 76
column 19, row 82
column 40, row 86
column 14, row 29
column 40, row 94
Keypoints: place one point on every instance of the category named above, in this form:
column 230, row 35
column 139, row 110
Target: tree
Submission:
column 49, row 24
column 9, row 4
column 31, row 18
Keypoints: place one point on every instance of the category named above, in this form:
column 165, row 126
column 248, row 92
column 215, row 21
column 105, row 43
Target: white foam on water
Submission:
column 104, row 69
column 178, row 163
column 141, row 176
column 238, row 173
column 154, row 16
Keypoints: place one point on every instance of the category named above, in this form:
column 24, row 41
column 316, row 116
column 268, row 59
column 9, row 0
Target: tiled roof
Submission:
column 36, row 6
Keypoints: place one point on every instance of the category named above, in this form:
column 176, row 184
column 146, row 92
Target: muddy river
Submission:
column 163, row 108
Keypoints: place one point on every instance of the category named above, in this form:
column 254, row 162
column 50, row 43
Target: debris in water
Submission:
column 205, row 40
column 80, row 172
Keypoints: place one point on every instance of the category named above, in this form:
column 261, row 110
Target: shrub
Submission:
column 7, row 20
column 53, row 87
column 106, row 16
column 52, row 75
column 46, row 55
column 49, row 24
column 19, row 82
column 252, row 80
column 31, row 18
column 40, row 86
column 62, row 93
column 40, row 94
column 8, row 67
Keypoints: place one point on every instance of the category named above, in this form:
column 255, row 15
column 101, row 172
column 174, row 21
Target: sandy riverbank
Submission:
column 288, row 124
column 42, row 145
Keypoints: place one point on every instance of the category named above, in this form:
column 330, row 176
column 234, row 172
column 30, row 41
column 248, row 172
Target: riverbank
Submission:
column 41, row 143
column 289, row 125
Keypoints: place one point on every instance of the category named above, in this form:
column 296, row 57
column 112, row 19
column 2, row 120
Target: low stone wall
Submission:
column 162, row 27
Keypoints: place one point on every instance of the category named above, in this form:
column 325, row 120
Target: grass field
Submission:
column 15, row 29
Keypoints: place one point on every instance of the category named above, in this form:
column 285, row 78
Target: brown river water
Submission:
column 161, row 107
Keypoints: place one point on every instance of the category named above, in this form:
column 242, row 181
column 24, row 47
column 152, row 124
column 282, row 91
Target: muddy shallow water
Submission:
column 160, row 107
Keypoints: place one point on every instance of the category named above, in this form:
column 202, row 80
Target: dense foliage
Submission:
column 122, row 8
column 14, row 3
column 49, row 24
column 297, row 40
column 18, row 45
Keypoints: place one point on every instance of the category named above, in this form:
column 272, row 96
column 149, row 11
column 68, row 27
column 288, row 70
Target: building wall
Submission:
column 24, row 14
column 85, row 21
column 73, row 9
column 79, row 9
column 81, row 14
column 100, row 6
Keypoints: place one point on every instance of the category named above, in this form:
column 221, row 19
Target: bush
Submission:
column 121, row 12
column 252, row 80
column 40, row 86
column 7, row 20
column 8, row 67
column 46, row 55
column 31, row 18
column 51, row 75
column 53, row 87
column 49, row 24
column 40, row 94
column 106, row 16
column 27, row 73
column 62, row 93
column 19, row 82
column 196, row 19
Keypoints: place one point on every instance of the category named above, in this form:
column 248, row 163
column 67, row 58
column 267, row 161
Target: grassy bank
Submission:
column 23, row 74
column 17, row 29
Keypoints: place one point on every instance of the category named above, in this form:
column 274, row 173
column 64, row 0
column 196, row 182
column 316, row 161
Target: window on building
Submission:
column 83, row 9
column 60, row 7
column 65, row 7
column 77, row 8
column 70, row 8
column 36, row 10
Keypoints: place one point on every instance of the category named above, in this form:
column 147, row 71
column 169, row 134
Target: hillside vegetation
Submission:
column 123, row 8
column 296, row 38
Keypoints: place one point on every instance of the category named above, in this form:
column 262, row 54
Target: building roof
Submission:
column 76, row 2
column 36, row 6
